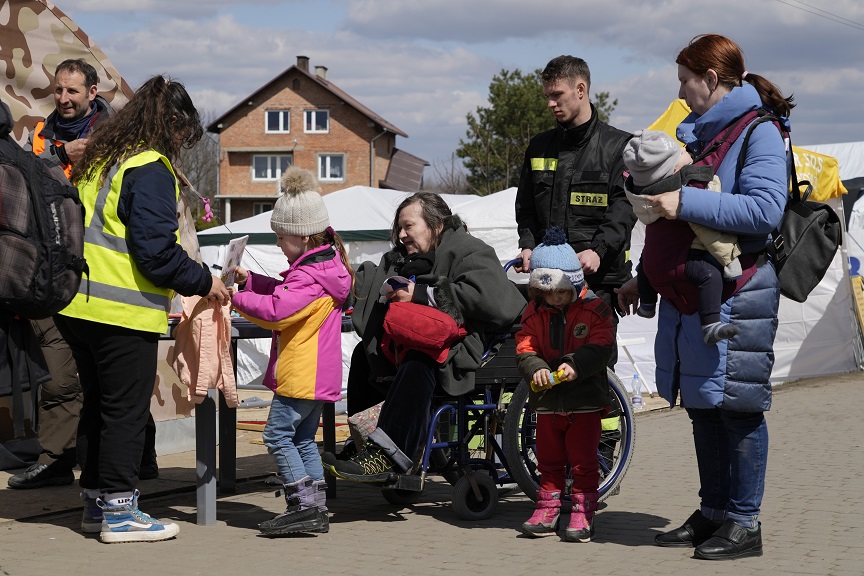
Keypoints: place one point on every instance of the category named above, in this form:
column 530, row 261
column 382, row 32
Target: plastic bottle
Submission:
column 636, row 393
column 556, row 377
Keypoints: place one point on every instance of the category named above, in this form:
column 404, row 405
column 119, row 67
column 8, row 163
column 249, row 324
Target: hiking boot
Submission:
column 544, row 521
column 694, row 532
column 91, row 517
column 302, row 513
column 39, row 475
column 126, row 523
column 581, row 527
column 368, row 465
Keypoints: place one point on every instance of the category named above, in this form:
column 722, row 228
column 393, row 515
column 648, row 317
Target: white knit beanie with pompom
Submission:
column 300, row 210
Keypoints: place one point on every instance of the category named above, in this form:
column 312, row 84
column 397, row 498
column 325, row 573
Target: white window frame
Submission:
column 261, row 207
column 285, row 122
column 325, row 170
column 313, row 130
column 274, row 167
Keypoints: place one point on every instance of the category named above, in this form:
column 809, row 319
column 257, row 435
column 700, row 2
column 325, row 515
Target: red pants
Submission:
column 572, row 438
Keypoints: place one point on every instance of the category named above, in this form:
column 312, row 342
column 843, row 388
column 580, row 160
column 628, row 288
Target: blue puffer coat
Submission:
column 733, row 374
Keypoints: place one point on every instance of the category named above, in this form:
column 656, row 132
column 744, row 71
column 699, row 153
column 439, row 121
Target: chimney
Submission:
column 303, row 63
column 321, row 72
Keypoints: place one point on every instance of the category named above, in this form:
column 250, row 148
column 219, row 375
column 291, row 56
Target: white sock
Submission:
column 118, row 499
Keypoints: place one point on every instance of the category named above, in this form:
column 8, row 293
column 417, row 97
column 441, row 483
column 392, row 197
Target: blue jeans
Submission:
column 290, row 437
column 732, row 454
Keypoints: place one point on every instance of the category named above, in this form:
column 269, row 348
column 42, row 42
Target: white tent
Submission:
column 813, row 339
column 363, row 217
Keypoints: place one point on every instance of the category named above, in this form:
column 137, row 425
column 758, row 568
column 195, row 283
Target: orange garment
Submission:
column 39, row 145
column 201, row 355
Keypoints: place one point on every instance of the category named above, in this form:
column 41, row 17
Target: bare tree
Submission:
column 448, row 177
column 200, row 165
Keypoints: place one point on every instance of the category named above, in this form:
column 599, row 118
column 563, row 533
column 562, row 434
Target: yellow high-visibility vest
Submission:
column 119, row 294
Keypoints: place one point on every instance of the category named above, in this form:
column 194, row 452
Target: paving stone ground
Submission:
column 812, row 519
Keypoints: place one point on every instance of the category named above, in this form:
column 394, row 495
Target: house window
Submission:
column 266, row 168
column 277, row 121
column 317, row 121
column 331, row 167
column 261, row 207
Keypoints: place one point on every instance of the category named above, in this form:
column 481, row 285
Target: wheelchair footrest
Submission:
column 409, row 482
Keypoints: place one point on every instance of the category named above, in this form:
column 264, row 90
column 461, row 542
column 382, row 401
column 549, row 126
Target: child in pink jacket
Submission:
column 304, row 311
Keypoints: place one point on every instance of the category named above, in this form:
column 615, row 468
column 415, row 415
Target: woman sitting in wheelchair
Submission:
column 438, row 284
column 568, row 330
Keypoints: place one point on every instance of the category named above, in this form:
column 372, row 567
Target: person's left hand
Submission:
column 590, row 261
column 403, row 294
column 75, row 149
column 666, row 205
column 568, row 372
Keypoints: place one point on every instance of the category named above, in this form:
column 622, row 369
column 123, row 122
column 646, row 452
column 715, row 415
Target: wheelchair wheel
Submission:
column 466, row 504
column 616, row 441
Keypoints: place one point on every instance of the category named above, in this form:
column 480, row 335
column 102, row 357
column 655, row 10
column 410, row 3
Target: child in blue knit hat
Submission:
column 566, row 340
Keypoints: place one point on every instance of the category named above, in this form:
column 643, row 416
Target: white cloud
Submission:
column 424, row 65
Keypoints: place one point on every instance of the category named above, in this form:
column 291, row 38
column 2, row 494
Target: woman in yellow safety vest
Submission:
column 131, row 242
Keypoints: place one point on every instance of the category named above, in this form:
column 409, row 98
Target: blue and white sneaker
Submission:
column 91, row 518
column 128, row 524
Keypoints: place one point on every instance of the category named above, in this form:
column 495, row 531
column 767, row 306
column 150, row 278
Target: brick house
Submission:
column 303, row 119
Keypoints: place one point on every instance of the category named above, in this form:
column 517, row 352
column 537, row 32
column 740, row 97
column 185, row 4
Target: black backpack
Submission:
column 804, row 245
column 41, row 231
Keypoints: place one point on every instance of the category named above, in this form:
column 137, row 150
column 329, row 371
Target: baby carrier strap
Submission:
column 667, row 242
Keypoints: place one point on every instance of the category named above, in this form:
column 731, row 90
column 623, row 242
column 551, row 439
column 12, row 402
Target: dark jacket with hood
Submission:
column 468, row 283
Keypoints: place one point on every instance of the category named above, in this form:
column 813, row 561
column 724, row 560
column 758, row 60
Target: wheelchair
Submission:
column 483, row 443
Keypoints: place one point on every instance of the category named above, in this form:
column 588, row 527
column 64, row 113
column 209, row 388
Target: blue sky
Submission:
column 423, row 65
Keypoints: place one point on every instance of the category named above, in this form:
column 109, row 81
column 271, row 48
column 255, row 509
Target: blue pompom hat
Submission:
column 555, row 266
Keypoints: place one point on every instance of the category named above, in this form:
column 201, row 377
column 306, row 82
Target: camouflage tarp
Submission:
column 35, row 36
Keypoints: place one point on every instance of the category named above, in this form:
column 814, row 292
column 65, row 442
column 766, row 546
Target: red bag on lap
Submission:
column 410, row 326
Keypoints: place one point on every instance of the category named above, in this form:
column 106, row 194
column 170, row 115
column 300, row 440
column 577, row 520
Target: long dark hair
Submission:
column 160, row 116
column 433, row 208
column 715, row 52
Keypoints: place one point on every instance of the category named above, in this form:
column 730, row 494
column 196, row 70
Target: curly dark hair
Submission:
column 160, row 116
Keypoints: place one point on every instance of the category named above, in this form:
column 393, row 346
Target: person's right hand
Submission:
column 240, row 275
column 525, row 265
column 628, row 297
column 218, row 291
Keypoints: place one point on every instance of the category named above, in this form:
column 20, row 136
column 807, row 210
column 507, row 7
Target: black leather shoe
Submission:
column 39, row 475
column 696, row 530
column 731, row 541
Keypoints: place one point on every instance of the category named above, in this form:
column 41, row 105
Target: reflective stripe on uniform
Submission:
column 544, row 164
column 128, row 296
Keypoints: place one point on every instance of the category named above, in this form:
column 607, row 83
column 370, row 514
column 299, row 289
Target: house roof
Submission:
column 327, row 85
column 405, row 172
